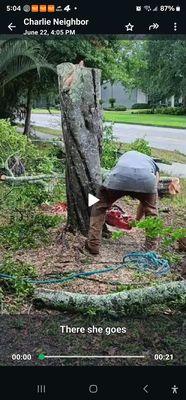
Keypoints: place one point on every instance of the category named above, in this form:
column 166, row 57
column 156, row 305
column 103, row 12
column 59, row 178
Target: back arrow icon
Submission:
column 145, row 389
column 11, row 27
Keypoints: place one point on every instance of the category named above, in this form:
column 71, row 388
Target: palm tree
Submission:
column 25, row 59
column 18, row 57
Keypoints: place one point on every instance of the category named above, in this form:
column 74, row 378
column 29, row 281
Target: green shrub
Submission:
column 154, row 227
column 140, row 145
column 30, row 232
column 143, row 112
column 110, row 149
column 120, row 108
column 112, row 101
column 1, row 296
column 19, row 270
column 138, row 106
column 13, row 143
column 118, row 235
column 171, row 110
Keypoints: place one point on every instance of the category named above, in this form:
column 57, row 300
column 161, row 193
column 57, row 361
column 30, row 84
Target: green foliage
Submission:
column 112, row 101
column 117, row 235
column 161, row 69
column 140, row 145
column 1, row 295
column 138, row 106
column 13, row 143
column 110, row 149
column 120, row 108
column 111, row 153
column 172, row 257
column 19, row 270
column 154, row 227
column 170, row 110
column 143, row 112
column 29, row 232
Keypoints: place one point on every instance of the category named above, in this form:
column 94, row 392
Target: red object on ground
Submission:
column 115, row 216
column 59, row 208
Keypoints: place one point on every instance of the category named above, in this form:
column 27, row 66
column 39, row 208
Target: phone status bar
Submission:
column 94, row 18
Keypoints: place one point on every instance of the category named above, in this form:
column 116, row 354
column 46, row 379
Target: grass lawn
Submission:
column 126, row 117
column 172, row 121
column 42, row 129
column 45, row 111
column 50, row 131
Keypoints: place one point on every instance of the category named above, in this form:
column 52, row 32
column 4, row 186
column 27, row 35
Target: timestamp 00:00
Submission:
column 54, row 32
column 21, row 357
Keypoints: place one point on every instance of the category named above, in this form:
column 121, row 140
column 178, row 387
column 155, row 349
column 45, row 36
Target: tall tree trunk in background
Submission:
column 28, row 112
column 80, row 92
column 184, row 101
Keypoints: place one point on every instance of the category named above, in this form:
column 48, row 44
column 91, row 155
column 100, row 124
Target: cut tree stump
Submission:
column 117, row 304
column 80, row 93
column 168, row 183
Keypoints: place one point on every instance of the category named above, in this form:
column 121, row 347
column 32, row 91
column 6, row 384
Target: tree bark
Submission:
column 184, row 101
column 82, row 132
column 27, row 126
column 117, row 304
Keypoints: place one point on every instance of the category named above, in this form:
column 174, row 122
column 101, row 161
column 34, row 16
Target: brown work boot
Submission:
column 92, row 250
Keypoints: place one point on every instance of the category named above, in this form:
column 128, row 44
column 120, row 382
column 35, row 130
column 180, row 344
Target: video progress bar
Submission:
column 90, row 357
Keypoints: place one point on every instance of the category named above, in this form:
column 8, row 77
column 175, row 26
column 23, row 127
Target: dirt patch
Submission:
column 68, row 256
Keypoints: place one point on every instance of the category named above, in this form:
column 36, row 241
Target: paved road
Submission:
column 161, row 138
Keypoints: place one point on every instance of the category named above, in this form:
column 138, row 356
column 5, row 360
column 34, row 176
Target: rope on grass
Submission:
column 147, row 262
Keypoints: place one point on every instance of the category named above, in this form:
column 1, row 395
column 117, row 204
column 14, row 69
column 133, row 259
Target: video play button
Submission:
column 92, row 200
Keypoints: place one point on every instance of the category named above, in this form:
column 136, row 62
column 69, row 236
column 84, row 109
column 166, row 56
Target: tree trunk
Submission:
column 82, row 132
column 27, row 126
column 123, row 303
column 184, row 101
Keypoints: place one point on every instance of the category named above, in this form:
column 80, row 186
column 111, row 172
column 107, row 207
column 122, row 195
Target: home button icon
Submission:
column 93, row 389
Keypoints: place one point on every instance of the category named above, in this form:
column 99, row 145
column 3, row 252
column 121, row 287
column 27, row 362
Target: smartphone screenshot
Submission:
column 92, row 199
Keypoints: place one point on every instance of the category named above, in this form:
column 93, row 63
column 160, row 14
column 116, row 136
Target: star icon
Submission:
column 129, row 27
column 174, row 389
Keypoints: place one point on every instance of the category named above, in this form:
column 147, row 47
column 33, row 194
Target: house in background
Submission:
column 123, row 96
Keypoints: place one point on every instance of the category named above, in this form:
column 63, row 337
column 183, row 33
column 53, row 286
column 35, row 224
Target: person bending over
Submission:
column 135, row 175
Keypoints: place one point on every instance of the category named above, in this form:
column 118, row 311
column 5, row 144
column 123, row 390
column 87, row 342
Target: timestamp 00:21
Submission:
column 53, row 32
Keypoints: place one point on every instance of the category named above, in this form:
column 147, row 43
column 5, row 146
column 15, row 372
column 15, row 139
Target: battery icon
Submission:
column 178, row 8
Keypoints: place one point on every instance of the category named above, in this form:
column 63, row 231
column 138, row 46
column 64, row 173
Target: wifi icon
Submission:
column 147, row 8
